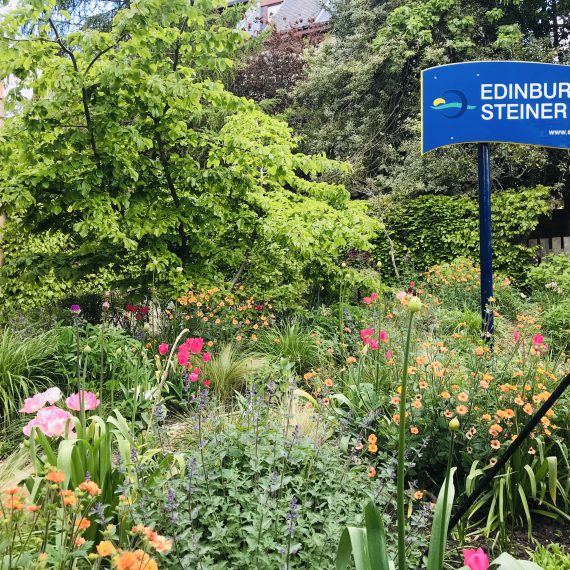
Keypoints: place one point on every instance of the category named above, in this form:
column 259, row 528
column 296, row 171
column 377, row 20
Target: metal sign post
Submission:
column 486, row 250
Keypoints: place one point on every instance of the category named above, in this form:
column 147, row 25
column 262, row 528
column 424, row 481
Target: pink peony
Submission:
column 383, row 336
column 537, row 339
column 366, row 335
column 516, row 336
column 90, row 401
column 163, row 349
column 475, row 559
column 195, row 345
column 35, row 403
column 206, row 357
column 374, row 344
column 52, row 421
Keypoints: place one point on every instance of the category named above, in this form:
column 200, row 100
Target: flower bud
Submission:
column 343, row 264
column 179, row 269
column 146, row 327
column 87, row 349
column 105, row 306
column 454, row 424
column 414, row 305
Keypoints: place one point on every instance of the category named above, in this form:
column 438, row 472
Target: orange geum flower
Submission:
column 14, row 504
column 445, row 394
column 509, row 413
column 462, row 410
column 518, row 373
column 33, row 508
column 484, row 384
column 69, row 499
column 395, row 400
column 495, row 444
column 462, row 397
column 504, row 388
column 518, row 400
column 420, row 360
column 418, row 495
column 488, row 377
column 161, row 543
column 91, row 487
column 496, row 427
column 371, row 472
column 448, row 414
column 56, row 476
column 412, row 370
column 414, row 430
column 13, row 491
column 79, row 541
column 423, row 385
column 417, row 404
column 372, row 438
column 479, row 351
column 105, row 548
column 373, row 448
column 83, row 523
column 350, row 360
column 528, row 409
column 328, row 382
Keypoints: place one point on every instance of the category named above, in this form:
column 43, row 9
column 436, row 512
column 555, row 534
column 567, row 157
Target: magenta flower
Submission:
column 35, row 403
column 374, row 344
column 163, row 349
column 90, row 401
column 193, row 377
column 207, row 383
column 516, row 336
column 537, row 339
column 75, row 309
column 475, row 559
column 195, row 345
column 366, row 335
column 52, row 422
column 383, row 336
column 183, row 355
column 206, row 357
column 389, row 355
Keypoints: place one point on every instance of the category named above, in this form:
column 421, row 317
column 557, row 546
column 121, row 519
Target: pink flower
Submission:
column 366, row 335
column 383, row 336
column 195, row 345
column 206, row 357
column 163, row 349
column 537, row 339
column 401, row 295
column 183, row 355
column 90, row 401
column 207, row 383
column 475, row 559
column 374, row 296
column 197, row 370
column 35, row 403
column 52, row 421
column 389, row 355
column 412, row 284
column 259, row 307
column 367, row 300
column 374, row 344
column 193, row 377
column 516, row 336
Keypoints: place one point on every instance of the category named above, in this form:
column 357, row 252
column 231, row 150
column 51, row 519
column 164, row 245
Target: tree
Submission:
column 145, row 167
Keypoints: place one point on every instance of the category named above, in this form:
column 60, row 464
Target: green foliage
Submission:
column 431, row 229
column 27, row 363
column 551, row 557
column 142, row 165
column 551, row 278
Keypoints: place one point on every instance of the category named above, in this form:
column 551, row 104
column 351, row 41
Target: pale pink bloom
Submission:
column 35, row 403
column 374, row 344
column 206, row 357
column 401, row 295
column 193, row 377
column 367, row 300
column 163, row 349
column 383, row 336
column 537, row 339
column 389, row 355
column 374, row 296
column 475, row 559
column 52, row 421
column 90, row 401
column 516, row 336
column 195, row 345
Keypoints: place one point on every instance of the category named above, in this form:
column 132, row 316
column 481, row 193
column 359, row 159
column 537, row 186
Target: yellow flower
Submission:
column 105, row 548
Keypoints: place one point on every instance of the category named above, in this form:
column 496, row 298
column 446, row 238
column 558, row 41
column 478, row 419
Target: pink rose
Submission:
column 516, row 336
column 206, row 357
column 90, row 401
column 163, row 349
column 383, row 336
column 52, row 421
column 35, row 403
column 366, row 335
column 475, row 559
column 194, row 345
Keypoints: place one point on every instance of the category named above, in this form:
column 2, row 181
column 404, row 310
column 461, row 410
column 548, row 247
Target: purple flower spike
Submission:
column 75, row 309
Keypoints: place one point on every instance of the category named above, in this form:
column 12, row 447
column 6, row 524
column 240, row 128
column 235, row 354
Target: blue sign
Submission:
column 496, row 101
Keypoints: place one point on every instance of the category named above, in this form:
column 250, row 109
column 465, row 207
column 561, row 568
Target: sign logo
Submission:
column 454, row 105
column 496, row 101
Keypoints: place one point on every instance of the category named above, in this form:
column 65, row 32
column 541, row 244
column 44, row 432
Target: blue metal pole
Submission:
column 486, row 251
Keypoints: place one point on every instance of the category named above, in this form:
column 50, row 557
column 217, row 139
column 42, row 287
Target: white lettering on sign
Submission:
column 501, row 108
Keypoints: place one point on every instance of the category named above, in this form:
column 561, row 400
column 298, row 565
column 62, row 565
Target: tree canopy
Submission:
column 123, row 145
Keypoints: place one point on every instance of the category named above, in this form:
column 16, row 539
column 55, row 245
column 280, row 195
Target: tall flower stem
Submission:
column 445, row 495
column 101, row 357
column 402, row 564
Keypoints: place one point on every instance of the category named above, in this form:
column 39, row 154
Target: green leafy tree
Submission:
column 122, row 142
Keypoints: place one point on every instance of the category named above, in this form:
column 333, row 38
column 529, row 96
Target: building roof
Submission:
column 299, row 14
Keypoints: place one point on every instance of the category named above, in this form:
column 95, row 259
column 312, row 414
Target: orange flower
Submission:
column 518, row 400
column 462, row 397
column 14, row 504
column 496, row 427
column 83, row 523
column 33, row 508
column 372, row 438
column 420, row 360
column 13, row 491
column 484, row 384
column 161, row 543
column 91, row 487
column 486, row 417
column 412, row 370
column 495, row 444
column 69, row 499
column 509, row 413
column 371, row 472
column 328, row 382
column 414, row 430
column 308, row 375
column 373, row 448
column 79, row 541
column 105, row 548
column 527, row 409
column 488, row 377
column 419, row 495
column 351, row 360
column 479, row 351
column 395, row 400
column 423, row 385
column 445, row 394
column 56, row 476
column 417, row 404
column 462, row 410
column 326, row 401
